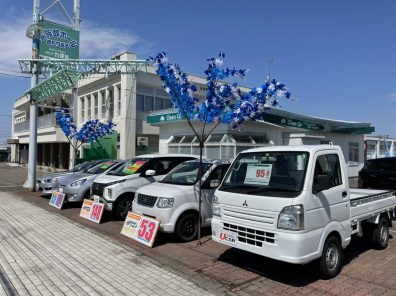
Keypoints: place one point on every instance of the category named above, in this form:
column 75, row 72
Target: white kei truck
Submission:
column 294, row 204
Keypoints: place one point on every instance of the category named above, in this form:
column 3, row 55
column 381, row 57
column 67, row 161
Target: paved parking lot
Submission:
column 225, row 271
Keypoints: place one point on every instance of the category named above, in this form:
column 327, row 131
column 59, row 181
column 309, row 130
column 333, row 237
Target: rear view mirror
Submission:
column 214, row 183
column 150, row 173
column 321, row 182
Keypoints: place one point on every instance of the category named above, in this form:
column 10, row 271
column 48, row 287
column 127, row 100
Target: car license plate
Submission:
column 96, row 198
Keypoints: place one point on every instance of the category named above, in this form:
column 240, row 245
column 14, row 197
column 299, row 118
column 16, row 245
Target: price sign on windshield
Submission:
column 258, row 174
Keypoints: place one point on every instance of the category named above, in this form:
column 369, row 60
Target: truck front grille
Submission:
column 251, row 236
column 146, row 200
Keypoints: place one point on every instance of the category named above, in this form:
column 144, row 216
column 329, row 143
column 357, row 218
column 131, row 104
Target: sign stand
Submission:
column 57, row 200
column 141, row 228
column 92, row 210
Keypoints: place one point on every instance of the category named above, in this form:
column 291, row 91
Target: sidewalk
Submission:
column 42, row 253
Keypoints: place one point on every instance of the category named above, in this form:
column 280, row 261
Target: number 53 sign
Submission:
column 140, row 228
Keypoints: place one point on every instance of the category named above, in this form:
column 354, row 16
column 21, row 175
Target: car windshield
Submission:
column 101, row 168
column 131, row 167
column 81, row 166
column 186, row 173
column 267, row 173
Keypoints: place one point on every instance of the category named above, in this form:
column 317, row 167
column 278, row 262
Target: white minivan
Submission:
column 175, row 199
column 117, row 189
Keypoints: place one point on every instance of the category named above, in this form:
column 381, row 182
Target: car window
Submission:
column 217, row 174
column 162, row 166
column 329, row 165
column 101, row 167
column 133, row 166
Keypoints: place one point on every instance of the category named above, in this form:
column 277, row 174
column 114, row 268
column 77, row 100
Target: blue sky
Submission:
column 338, row 57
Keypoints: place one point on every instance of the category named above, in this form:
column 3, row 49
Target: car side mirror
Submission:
column 214, row 183
column 321, row 182
column 150, row 173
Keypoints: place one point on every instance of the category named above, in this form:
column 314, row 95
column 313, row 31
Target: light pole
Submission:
column 33, row 31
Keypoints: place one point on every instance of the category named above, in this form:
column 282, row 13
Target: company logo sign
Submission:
column 58, row 41
column 228, row 237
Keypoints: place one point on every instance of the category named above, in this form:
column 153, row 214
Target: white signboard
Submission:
column 258, row 174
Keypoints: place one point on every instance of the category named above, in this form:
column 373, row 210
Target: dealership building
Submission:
column 147, row 123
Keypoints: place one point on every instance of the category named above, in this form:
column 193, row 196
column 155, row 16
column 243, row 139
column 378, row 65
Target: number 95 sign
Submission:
column 140, row 228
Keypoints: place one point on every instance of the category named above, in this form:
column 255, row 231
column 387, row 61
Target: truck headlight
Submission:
column 78, row 183
column 165, row 202
column 216, row 210
column 291, row 218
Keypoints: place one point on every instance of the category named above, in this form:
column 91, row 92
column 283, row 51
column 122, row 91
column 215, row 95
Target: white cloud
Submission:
column 96, row 41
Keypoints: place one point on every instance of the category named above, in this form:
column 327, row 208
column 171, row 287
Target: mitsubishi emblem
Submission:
column 245, row 204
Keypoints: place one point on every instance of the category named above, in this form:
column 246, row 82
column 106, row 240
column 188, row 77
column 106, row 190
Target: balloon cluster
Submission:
column 224, row 102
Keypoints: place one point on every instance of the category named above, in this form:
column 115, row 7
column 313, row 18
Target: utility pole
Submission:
column 33, row 106
column 76, row 26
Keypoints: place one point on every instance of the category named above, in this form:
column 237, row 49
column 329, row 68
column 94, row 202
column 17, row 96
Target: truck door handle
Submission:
column 344, row 194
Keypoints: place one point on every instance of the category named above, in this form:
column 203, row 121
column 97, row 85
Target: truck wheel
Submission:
column 122, row 207
column 187, row 227
column 380, row 235
column 331, row 260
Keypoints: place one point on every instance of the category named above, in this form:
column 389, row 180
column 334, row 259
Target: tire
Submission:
column 331, row 260
column 380, row 235
column 122, row 207
column 187, row 227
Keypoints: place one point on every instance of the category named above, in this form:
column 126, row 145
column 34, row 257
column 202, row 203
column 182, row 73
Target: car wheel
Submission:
column 123, row 206
column 187, row 227
column 380, row 234
column 331, row 260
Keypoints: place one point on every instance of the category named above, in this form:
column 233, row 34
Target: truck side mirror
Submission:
column 150, row 173
column 321, row 182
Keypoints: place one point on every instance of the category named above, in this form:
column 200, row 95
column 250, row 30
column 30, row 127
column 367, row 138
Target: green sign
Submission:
column 164, row 118
column 58, row 41
column 293, row 122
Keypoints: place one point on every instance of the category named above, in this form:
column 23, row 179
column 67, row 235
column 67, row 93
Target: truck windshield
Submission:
column 267, row 173
column 186, row 173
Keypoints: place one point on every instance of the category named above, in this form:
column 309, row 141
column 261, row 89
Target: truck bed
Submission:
column 367, row 203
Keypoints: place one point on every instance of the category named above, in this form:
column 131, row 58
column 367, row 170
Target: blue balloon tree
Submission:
column 91, row 131
column 224, row 102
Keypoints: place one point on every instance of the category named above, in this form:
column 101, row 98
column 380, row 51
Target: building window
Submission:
column 119, row 101
column 96, row 105
column 140, row 102
column 148, row 103
column 353, row 152
column 111, row 104
column 89, row 107
column 82, row 108
column 103, row 95
column 167, row 104
column 158, row 104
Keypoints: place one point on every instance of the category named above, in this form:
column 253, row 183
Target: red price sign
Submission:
column 146, row 227
column 92, row 210
column 261, row 173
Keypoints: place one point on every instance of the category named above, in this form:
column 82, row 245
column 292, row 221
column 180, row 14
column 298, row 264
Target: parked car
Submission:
column 49, row 183
column 77, row 186
column 117, row 189
column 378, row 173
column 175, row 199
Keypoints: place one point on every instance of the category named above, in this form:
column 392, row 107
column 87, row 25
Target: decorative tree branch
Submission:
column 224, row 102
column 91, row 131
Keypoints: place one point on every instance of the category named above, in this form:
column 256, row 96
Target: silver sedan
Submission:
column 77, row 186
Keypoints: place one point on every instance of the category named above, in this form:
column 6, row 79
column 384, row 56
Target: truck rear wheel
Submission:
column 331, row 260
column 187, row 227
column 380, row 235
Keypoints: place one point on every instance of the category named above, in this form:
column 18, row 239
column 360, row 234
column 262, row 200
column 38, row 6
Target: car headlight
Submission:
column 55, row 180
column 216, row 209
column 108, row 193
column 78, row 183
column 165, row 202
column 291, row 218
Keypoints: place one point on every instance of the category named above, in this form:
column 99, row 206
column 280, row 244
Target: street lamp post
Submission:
column 33, row 106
